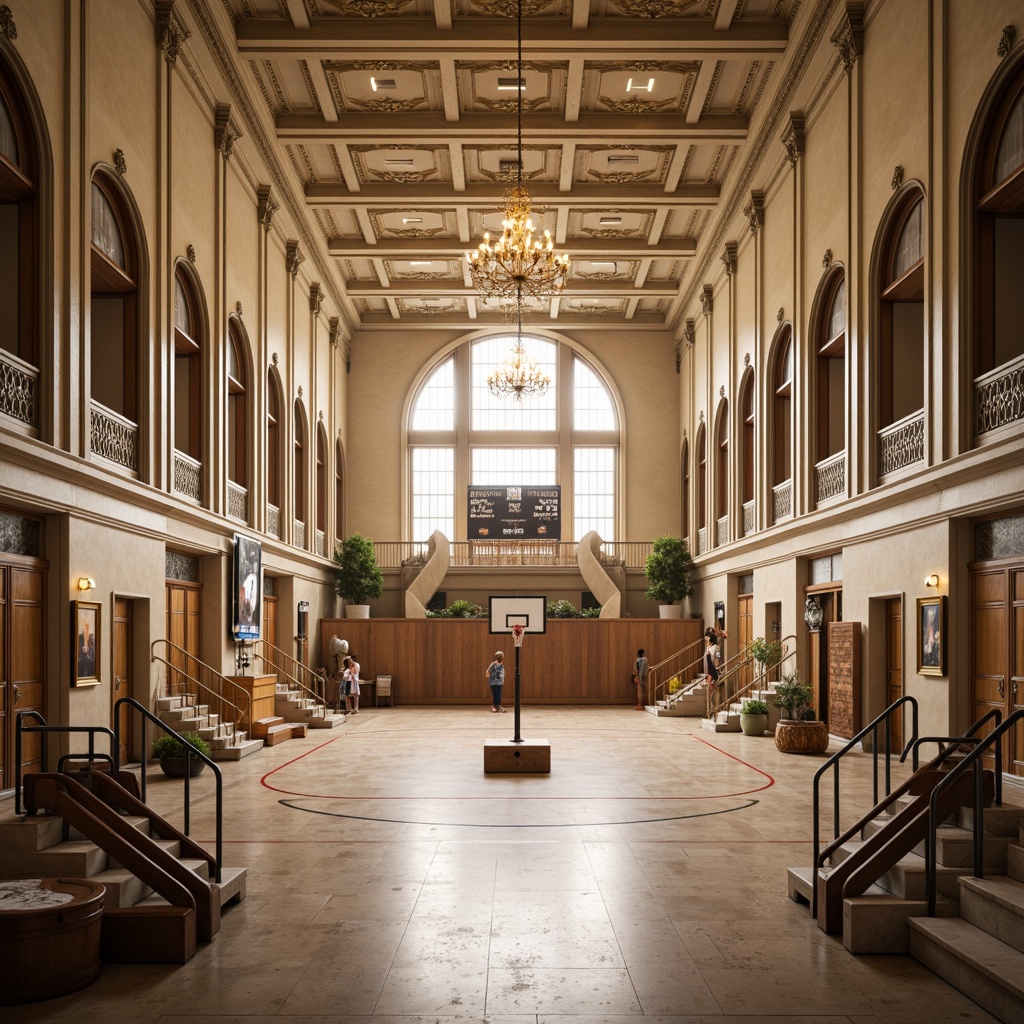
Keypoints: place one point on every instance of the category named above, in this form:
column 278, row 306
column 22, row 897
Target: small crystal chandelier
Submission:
column 518, row 263
column 519, row 376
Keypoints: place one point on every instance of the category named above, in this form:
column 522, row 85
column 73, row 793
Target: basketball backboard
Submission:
column 528, row 612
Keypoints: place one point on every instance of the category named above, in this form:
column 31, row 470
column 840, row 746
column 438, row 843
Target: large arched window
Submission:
column 188, row 423
column 19, row 249
column 782, row 425
column 460, row 435
column 275, row 453
column 722, row 475
column 900, row 353
column 993, row 207
column 746, row 455
column 829, row 339
column 114, row 324
column 339, row 494
column 237, row 421
column 299, row 474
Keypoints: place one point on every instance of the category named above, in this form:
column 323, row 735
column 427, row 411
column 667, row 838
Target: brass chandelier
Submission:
column 518, row 264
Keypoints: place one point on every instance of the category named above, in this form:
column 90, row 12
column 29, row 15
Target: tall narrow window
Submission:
column 19, row 243
column 993, row 205
column 433, row 492
column 685, row 476
column 782, row 409
column 321, row 487
column 113, row 323
column 299, row 474
column 747, row 453
column 275, row 455
column 188, row 377
column 829, row 335
column 339, row 494
column 594, row 492
column 702, row 489
column 722, row 475
column 237, row 409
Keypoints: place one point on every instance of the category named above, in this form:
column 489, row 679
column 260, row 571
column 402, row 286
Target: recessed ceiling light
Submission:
column 379, row 84
column 508, row 165
column 611, row 220
column 511, row 84
column 421, row 263
column 639, row 86
column 412, row 220
column 623, row 158
column 609, row 264
column 399, row 161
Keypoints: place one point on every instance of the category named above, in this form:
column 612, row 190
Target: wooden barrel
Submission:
column 49, row 944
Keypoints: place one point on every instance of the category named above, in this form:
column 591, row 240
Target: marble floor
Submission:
column 389, row 878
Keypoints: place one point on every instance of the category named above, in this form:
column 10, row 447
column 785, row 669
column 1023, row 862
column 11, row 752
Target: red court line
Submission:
column 264, row 781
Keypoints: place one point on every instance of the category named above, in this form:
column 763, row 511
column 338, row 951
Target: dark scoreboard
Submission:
column 515, row 513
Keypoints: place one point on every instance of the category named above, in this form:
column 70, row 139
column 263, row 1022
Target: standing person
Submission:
column 712, row 656
column 640, row 678
column 495, row 676
column 351, row 685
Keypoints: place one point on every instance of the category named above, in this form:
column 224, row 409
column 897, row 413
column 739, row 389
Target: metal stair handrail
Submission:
column 883, row 720
column 970, row 761
column 689, row 664
column 284, row 664
column 729, row 670
column 243, row 711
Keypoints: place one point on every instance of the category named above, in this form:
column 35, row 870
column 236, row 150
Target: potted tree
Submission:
column 766, row 653
column 170, row 751
column 753, row 717
column 798, row 731
column 669, row 572
column 357, row 577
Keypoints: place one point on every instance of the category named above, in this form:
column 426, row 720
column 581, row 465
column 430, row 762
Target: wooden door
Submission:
column 831, row 602
column 184, row 624
column 269, row 626
column 989, row 638
column 6, row 723
column 744, row 634
column 894, row 668
column 1015, row 664
column 122, row 653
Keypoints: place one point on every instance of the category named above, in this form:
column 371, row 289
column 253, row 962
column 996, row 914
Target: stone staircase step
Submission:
column 1005, row 820
column 123, row 888
column 877, row 921
column 329, row 721
column 236, row 751
column 996, row 905
column 232, row 885
column 28, row 835
column 1015, row 862
column 75, row 858
column 978, row 964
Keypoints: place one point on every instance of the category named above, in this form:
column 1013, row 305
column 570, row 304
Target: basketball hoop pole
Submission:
column 517, row 637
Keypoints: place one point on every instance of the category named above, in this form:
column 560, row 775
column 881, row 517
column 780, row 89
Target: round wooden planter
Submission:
column 175, row 767
column 801, row 737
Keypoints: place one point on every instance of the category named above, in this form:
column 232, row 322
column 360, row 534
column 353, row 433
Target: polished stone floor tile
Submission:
column 391, row 881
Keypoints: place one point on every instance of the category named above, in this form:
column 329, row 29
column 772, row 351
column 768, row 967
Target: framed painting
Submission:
column 931, row 636
column 85, row 629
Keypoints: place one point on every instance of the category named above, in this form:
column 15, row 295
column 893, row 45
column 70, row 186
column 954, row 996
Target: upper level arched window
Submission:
column 702, row 490
column 275, row 452
column 321, row 489
column 684, row 516
column 19, row 249
column 722, row 475
column 993, row 207
column 237, row 414
column 189, row 339
column 746, row 455
column 782, row 424
column 828, row 334
column 299, row 473
column 460, row 434
column 339, row 493
column 901, row 355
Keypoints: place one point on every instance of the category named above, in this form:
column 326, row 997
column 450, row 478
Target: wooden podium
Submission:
column 529, row 756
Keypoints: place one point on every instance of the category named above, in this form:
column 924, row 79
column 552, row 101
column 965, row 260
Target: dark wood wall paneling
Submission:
column 443, row 661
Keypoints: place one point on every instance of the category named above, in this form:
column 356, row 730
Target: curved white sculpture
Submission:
column 600, row 584
column 422, row 589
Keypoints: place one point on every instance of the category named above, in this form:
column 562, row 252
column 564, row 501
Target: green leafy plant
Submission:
column 590, row 613
column 752, row 706
column 174, row 746
column 562, row 610
column 795, row 699
column 669, row 571
column 357, row 577
column 460, row 609
column 767, row 653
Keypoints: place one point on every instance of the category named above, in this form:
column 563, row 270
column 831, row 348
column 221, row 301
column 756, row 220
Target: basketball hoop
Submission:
column 517, row 635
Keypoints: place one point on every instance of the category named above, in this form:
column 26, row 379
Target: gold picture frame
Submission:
column 85, row 643
column 931, row 636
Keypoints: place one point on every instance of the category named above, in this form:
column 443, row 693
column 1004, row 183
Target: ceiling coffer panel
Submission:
column 500, row 164
column 361, row 270
column 639, row 87
column 596, row 270
column 411, row 223
column 611, row 223
column 423, row 269
column 383, row 86
column 490, row 220
column 447, row 306
column 615, row 165
column 401, row 164
column 495, row 86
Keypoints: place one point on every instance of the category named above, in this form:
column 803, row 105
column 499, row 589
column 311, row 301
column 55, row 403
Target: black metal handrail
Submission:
column 971, row 760
column 190, row 752
column 834, row 761
column 44, row 730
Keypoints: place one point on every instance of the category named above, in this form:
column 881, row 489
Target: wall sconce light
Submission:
column 931, row 580
column 86, row 583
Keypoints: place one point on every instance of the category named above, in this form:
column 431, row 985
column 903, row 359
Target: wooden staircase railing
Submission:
column 683, row 663
column 731, row 686
column 294, row 672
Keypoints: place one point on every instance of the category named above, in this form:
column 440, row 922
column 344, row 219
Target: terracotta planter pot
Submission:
column 753, row 725
column 801, row 737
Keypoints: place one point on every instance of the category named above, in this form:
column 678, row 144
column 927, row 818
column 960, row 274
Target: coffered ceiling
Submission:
column 398, row 118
